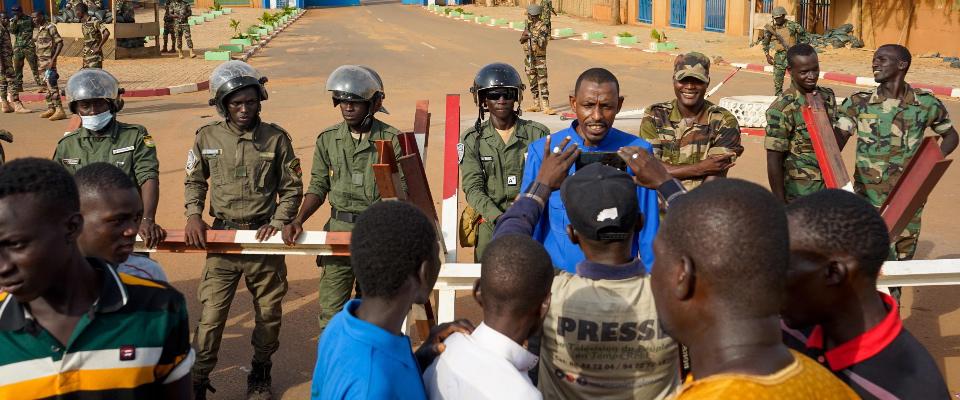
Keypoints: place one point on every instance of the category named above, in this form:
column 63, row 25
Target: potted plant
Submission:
column 659, row 41
column 217, row 8
column 624, row 38
column 239, row 37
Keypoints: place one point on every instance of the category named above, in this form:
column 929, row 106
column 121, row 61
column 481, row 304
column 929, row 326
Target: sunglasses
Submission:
column 498, row 94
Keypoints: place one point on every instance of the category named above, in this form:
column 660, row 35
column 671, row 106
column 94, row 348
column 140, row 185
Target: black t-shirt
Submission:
column 886, row 362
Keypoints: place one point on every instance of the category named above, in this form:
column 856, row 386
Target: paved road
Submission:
column 421, row 56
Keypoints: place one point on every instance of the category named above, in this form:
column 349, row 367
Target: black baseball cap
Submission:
column 601, row 202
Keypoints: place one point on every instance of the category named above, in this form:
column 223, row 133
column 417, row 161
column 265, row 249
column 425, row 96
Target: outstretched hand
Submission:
column 648, row 171
column 556, row 162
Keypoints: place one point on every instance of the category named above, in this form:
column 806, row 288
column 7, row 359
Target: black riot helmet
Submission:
column 231, row 77
column 491, row 76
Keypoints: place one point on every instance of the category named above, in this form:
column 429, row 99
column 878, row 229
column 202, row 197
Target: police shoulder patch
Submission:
column 191, row 161
column 148, row 141
column 294, row 166
column 459, row 153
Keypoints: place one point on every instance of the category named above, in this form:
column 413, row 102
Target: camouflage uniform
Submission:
column 787, row 133
column 792, row 33
column 23, row 49
column 548, row 12
column 181, row 24
column 889, row 132
column 535, row 63
column 715, row 132
column 6, row 66
column 168, row 25
column 92, row 35
column 47, row 38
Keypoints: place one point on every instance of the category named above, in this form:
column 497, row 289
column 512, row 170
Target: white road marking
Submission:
column 474, row 64
column 368, row 11
column 378, row 19
column 428, row 45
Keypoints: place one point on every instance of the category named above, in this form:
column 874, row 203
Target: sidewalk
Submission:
column 167, row 70
column 736, row 50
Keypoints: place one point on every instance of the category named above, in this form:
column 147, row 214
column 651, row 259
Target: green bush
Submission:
column 459, row 10
column 625, row 34
column 217, row 6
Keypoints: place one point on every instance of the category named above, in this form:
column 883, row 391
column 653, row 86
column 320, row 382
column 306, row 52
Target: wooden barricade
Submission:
column 910, row 193
column 835, row 175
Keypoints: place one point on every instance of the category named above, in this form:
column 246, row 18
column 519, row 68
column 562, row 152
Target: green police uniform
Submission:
column 791, row 33
column 889, row 132
column 23, row 49
column 254, row 179
column 127, row 146
column 714, row 132
column 491, row 170
column 787, row 133
column 342, row 174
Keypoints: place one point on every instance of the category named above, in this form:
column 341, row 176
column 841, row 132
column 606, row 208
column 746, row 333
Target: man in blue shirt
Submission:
column 362, row 354
column 596, row 102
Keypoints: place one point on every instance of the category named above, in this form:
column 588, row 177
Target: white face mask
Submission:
column 96, row 122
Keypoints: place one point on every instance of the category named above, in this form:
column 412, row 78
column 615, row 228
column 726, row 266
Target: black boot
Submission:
column 200, row 388
column 259, row 382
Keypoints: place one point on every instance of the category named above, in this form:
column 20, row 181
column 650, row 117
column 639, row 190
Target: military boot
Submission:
column 48, row 113
column 192, row 54
column 180, row 53
column 58, row 114
column 259, row 382
column 546, row 108
column 20, row 109
column 200, row 389
column 535, row 107
column 5, row 106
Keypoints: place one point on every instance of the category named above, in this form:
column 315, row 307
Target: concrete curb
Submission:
column 946, row 91
column 185, row 88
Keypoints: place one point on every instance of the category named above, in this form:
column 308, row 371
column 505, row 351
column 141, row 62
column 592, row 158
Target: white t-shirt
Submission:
column 142, row 267
column 483, row 365
column 602, row 339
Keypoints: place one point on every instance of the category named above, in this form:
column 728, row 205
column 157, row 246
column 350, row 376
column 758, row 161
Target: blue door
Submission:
column 678, row 13
column 716, row 16
column 645, row 11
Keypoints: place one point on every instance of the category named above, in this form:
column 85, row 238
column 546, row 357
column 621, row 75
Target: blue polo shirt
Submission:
column 359, row 360
column 552, row 228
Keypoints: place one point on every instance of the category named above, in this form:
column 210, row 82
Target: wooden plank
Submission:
column 244, row 242
column 914, row 186
column 385, row 172
column 835, row 175
column 135, row 29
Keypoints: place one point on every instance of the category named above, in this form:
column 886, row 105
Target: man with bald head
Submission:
column 491, row 362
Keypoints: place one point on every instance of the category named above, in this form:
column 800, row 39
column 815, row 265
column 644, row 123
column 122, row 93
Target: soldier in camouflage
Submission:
column 889, row 122
column 548, row 12
column 49, row 44
column 95, row 35
column 534, row 40
column 694, row 138
column 181, row 12
column 168, row 28
column 253, row 176
column 780, row 35
column 9, row 98
column 342, row 174
column 21, row 27
column 792, row 166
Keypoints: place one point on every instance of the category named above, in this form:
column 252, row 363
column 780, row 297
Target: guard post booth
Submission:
column 72, row 34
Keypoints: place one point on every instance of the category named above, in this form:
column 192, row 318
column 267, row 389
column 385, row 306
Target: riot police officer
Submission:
column 95, row 95
column 342, row 173
column 253, row 177
column 493, row 151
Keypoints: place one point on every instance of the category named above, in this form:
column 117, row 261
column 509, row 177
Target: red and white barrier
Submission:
column 451, row 177
column 310, row 243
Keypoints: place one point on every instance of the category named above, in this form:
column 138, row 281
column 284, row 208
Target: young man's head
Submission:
column 838, row 242
column 243, row 106
column 721, row 254
column 691, row 75
column 603, row 210
column 81, row 10
column 533, row 12
column 804, row 66
column 17, row 11
column 111, row 208
column 38, row 18
column 779, row 16
column 891, row 63
column 39, row 224
column 596, row 100
column 514, row 285
column 394, row 253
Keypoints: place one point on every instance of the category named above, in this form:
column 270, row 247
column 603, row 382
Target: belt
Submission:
column 344, row 216
column 237, row 225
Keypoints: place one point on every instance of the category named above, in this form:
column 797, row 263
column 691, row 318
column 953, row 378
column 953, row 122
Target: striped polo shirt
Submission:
column 134, row 339
column 886, row 362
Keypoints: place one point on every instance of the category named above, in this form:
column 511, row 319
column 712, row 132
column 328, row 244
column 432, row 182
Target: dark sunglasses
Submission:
column 498, row 94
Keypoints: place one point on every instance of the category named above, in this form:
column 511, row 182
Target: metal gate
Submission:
column 645, row 11
column 766, row 6
column 814, row 15
column 716, row 16
column 678, row 13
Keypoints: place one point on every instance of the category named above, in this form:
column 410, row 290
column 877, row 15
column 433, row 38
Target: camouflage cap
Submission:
column 779, row 11
column 694, row 65
column 534, row 9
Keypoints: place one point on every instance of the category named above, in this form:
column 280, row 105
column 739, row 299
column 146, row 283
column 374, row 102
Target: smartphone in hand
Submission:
column 604, row 157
